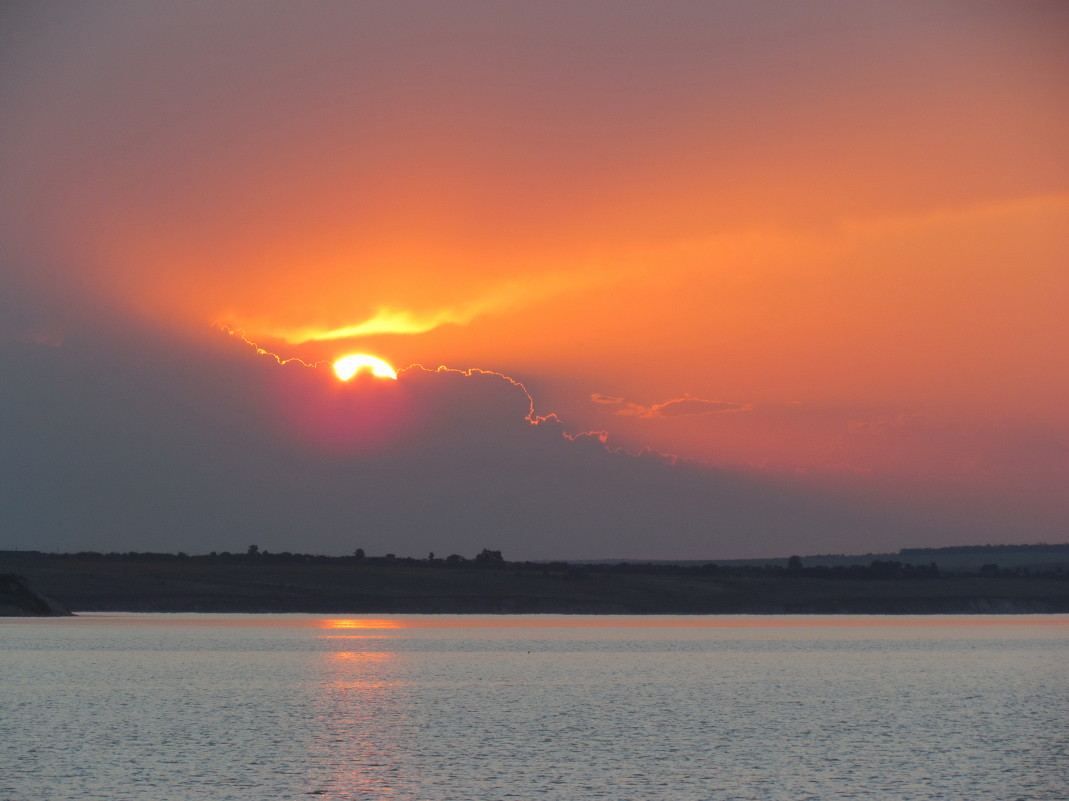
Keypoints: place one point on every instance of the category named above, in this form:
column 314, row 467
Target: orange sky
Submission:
column 837, row 229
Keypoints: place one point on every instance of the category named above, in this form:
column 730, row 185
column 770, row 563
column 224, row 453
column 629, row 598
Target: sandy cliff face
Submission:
column 17, row 599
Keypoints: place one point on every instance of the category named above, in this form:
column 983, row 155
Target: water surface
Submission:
column 484, row 708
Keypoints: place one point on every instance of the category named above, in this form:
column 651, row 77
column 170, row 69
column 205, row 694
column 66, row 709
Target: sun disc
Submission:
column 348, row 366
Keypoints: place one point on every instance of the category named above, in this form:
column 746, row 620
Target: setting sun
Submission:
column 348, row 366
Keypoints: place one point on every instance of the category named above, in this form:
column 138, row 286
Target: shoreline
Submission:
column 262, row 586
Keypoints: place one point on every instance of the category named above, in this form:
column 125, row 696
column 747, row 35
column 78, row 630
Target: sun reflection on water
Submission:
column 361, row 719
column 360, row 623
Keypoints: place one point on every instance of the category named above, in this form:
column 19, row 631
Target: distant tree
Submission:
column 359, row 553
column 885, row 569
column 454, row 559
column 794, row 564
column 488, row 558
column 430, row 556
column 254, row 550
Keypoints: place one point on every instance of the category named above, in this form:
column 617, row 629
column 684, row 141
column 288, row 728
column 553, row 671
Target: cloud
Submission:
column 685, row 406
column 497, row 299
column 137, row 440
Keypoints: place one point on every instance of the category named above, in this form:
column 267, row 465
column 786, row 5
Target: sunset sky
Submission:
column 660, row 280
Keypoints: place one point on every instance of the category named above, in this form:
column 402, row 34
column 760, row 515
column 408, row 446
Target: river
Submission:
column 486, row 708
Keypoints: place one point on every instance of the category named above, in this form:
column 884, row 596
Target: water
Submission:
column 170, row 707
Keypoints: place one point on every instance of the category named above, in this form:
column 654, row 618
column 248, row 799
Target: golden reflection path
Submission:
column 362, row 721
column 361, row 623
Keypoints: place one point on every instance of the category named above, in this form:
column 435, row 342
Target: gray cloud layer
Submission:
column 151, row 443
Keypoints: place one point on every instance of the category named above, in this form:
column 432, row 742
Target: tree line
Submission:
column 793, row 567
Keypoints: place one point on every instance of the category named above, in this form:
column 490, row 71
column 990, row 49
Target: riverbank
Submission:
column 377, row 586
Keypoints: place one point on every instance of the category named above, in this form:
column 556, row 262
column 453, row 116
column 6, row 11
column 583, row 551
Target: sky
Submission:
column 677, row 280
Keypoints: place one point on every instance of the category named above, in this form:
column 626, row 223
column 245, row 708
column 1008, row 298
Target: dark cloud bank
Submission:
column 123, row 441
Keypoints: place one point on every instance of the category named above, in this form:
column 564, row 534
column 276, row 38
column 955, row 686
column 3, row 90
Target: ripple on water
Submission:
column 142, row 708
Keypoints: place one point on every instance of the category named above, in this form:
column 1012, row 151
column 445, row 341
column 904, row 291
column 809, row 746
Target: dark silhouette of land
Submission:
column 18, row 599
column 257, row 581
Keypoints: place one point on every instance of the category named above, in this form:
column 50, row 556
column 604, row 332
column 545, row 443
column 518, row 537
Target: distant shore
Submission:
column 270, row 583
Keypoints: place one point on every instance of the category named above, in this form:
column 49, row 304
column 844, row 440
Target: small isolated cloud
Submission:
column 687, row 406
